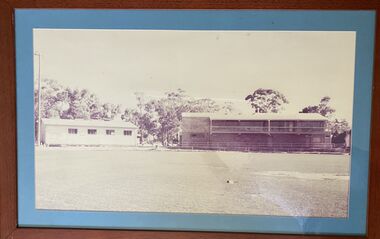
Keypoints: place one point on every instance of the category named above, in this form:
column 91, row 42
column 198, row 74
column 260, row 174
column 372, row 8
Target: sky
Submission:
column 222, row 65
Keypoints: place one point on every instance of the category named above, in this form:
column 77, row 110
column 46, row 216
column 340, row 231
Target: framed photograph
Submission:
column 189, row 120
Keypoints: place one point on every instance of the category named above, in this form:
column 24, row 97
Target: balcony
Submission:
column 267, row 130
column 239, row 129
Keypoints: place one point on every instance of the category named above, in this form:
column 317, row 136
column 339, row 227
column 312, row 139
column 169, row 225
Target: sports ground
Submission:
column 314, row 185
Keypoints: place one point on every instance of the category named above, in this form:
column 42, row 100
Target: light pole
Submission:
column 39, row 99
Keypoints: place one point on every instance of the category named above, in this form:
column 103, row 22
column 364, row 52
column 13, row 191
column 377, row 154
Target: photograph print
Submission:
column 187, row 121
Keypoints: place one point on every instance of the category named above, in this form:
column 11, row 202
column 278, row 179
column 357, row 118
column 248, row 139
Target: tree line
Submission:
column 159, row 119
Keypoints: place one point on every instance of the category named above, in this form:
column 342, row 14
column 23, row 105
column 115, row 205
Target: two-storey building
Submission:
column 256, row 132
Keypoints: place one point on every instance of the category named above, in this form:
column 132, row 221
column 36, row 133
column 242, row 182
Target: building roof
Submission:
column 258, row 116
column 93, row 123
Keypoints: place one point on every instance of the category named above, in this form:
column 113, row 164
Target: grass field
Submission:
column 168, row 181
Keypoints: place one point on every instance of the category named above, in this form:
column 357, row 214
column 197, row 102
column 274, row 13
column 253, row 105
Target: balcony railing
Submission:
column 266, row 129
column 239, row 129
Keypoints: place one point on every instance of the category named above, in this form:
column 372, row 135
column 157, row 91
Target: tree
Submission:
column 169, row 113
column 339, row 129
column 143, row 117
column 108, row 111
column 322, row 108
column 338, row 126
column 335, row 126
column 78, row 107
column 203, row 105
column 54, row 99
column 62, row 102
column 161, row 117
column 266, row 100
column 66, row 103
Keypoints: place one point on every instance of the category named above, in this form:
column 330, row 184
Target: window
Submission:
column 253, row 123
column 91, row 131
column 276, row 123
column 128, row 132
column 110, row 132
column 316, row 140
column 311, row 123
column 225, row 123
column 72, row 131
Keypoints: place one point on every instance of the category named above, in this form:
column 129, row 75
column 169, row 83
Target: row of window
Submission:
column 94, row 131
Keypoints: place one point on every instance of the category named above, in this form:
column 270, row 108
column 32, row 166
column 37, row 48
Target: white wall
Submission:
column 59, row 135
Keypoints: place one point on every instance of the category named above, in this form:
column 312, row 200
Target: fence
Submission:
column 279, row 147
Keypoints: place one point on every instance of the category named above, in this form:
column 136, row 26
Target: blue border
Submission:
column 363, row 22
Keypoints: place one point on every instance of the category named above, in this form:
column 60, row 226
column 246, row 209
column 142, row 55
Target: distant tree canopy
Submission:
column 335, row 125
column 322, row 108
column 143, row 116
column 65, row 103
column 160, row 117
column 266, row 101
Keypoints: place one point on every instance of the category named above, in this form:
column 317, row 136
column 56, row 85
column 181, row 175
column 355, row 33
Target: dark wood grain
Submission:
column 8, row 205
column 199, row 4
column 374, row 183
column 8, row 183
column 118, row 234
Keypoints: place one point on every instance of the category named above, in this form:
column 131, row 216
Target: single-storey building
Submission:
column 256, row 132
column 88, row 132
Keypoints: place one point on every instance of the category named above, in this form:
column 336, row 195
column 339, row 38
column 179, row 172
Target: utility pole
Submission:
column 39, row 99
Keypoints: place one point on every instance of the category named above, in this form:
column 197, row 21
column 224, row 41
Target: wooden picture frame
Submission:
column 8, row 146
